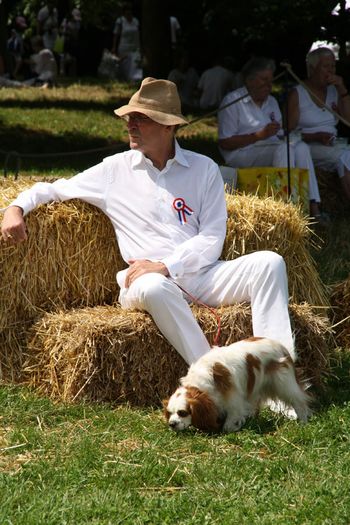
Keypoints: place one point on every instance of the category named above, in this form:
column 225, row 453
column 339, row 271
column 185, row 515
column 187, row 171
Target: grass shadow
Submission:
column 66, row 104
column 43, row 150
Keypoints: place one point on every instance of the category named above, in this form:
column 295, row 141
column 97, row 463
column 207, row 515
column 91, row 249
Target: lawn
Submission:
column 108, row 465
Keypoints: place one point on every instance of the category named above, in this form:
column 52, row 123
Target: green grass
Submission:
column 109, row 465
column 100, row 464
column 59, row 126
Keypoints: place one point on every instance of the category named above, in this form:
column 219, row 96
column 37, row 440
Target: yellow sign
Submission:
column 270, row 181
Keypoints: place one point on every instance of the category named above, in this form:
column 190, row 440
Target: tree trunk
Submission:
column 156, row 46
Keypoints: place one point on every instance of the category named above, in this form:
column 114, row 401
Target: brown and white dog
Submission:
column 228, row 384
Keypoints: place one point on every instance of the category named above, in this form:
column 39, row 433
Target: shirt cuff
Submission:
column 175, row 267
column 19, row 202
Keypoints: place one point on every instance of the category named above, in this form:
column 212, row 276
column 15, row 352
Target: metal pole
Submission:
column 287, row 134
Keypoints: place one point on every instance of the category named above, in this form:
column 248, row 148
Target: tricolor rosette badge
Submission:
column 182, row 209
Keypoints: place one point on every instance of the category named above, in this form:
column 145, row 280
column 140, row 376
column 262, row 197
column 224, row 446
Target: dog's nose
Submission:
column 172, row 424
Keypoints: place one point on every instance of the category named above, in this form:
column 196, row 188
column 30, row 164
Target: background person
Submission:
column 126, row 43
column 167, row 206
column 47, row 24
column 214, row 83
column 43, row 63
column 316, row 123
column 15, row 46
column 250, row 131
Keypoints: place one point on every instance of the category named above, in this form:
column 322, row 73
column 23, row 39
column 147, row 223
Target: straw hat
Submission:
column 158, row 99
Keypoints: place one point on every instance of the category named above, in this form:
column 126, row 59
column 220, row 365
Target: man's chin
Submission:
column 134, row 144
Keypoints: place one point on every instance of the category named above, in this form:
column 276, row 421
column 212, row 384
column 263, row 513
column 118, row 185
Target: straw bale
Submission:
column 70, row 259
column 71, row 256
column 105, row 353
column 267, row 224
column 340, row 299
column 12, row 342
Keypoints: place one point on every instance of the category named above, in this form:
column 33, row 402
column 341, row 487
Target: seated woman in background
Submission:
column 250, row 131
column 307, row 112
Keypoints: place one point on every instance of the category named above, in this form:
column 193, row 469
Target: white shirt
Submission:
column 47, row 19
column 139, row 200
column 214, row 84
column 129, row 34
column 313, row 118
column 44, row 64
column 246, row 117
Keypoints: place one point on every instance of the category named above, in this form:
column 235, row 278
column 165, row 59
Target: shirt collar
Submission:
column 179, row 157
column 249, row 99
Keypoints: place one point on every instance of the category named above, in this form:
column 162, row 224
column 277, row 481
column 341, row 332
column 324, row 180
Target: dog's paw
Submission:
column 233, row 425
column 279, row 407
column 303, row 413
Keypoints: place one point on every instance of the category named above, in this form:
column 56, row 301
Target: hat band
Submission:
column 167, row 111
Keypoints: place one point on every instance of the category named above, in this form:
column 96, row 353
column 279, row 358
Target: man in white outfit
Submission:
column 167, row 206
column 250, row 130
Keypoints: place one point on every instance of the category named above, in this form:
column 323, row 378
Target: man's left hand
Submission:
column 142, row 266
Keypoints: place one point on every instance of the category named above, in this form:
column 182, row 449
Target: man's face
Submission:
column 145, row 134
column 260, row 85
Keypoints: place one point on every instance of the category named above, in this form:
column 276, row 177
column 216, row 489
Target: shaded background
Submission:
column 282, row 29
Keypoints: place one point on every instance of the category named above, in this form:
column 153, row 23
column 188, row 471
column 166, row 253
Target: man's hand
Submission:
column 13, row 228
column 338, row 82
column 138, row 268
column 272, row 128
column 321, row 136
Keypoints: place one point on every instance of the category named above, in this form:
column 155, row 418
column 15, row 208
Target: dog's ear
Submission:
column 204, row 413
column 165, row 403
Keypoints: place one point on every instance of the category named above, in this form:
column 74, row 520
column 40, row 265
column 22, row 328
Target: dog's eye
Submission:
column 182, row 413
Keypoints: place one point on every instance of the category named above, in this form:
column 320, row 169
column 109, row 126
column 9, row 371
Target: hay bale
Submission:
column 70, row 260
column 340, row 299
column 265, row 224
column 109, row 354
column 12, row 343
column 71, row 256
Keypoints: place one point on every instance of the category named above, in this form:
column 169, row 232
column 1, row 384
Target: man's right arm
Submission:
column 241, row 141
column 89, row 186
column 13, row 228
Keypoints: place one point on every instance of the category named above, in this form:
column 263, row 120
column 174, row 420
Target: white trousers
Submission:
column 331, row 158
column 275, row 154
column 259, row 278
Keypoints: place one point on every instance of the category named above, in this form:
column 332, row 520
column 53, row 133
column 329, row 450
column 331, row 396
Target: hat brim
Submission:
column 158, row 116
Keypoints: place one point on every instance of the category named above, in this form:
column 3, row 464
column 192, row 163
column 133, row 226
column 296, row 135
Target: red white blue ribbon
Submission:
column 182, row 209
